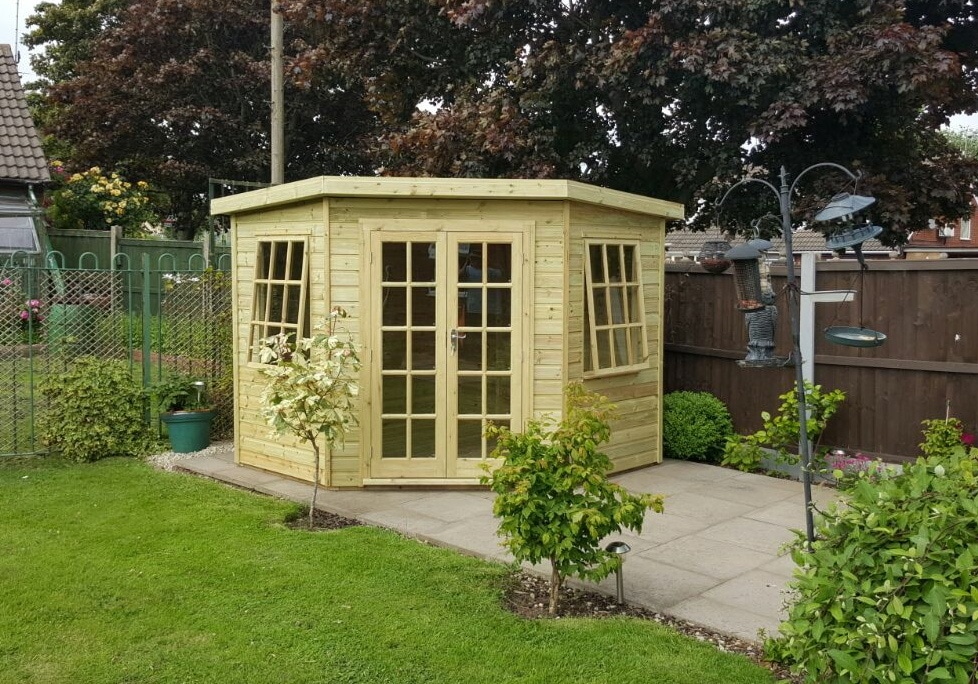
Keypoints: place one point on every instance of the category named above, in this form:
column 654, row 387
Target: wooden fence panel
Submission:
column 929, row 362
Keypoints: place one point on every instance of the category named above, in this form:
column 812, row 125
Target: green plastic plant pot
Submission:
column 188, row 430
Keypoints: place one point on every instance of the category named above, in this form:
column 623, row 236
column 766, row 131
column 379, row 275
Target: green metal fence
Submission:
column 150, row 315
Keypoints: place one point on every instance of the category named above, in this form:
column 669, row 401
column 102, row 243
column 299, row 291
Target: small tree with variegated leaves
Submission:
column 553, row 496
column 312, row 388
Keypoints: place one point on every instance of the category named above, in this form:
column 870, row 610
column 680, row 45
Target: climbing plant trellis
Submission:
column 151, row 316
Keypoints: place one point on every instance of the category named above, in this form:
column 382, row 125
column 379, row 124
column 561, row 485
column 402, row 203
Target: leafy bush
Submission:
column 554, row 499
column 695, row 426
column 743, row 453
column 888, row 594
column 311, row 388
column 93, row 201
column 95, row 410
column 780, row 432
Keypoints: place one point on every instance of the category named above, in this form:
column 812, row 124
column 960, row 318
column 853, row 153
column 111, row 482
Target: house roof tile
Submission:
column 21, row 156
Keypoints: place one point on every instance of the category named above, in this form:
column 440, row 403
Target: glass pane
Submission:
column 394, row 350
column 423, row 262
column 636, row 335
column 604, row 349
column 292, row 304
column 491, row 443
column 422, row 306
column 597, row 264
column 614, row 263
column 277, row 297
column 622, row 357
column 631, row 265
column 615, row 294
column 395, row 438
column 470, row 351
column 263, row 260
column 500, row 263
column 498, row 350
column 423, row 438
column 395, row 306
column 280, row 255
column 298, row 254
column 394, row 394
column 470, row 305
column 423, row 392
column 423, row 350
column 261, row 297
column 470, row 395
column 634, row 309
column 500, row 305
column 393, row 260
column 600, row 305
column 470, row 439
column 497, row 394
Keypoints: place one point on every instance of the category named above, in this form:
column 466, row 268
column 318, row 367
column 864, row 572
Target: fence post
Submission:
column 147, row 317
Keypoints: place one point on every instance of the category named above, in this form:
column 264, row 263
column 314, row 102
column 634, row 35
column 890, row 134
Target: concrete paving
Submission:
column 716, row 556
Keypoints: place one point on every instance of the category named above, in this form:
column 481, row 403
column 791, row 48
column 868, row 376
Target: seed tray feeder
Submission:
column 852, row 336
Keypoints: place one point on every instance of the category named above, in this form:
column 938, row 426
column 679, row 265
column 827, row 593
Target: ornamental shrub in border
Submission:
column 888, row 593
column 695, row 426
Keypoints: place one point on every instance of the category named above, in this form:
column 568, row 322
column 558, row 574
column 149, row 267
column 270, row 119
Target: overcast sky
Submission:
column 12, row 34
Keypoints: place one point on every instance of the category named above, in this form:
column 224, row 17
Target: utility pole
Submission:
column 278, row 97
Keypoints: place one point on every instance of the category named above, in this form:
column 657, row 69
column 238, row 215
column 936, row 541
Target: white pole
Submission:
column 808, row 316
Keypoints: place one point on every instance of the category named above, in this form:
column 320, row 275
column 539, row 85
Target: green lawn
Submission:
column 114, row 572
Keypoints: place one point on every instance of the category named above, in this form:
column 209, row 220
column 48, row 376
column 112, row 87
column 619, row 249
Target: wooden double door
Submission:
column 447, row 340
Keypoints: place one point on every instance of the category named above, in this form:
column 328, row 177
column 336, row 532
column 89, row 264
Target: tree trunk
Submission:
column 555, row 581
column 315, row 482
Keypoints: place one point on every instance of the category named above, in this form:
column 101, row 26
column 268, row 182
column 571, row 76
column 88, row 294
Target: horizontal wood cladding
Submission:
column 335, row 225
column 635, row 438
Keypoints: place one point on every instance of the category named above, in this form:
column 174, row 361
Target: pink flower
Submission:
column 24, row 315
column 968, row 439
column 34, row 303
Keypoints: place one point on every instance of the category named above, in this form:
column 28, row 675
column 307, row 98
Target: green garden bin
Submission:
column 188, row 430
column 70, row 326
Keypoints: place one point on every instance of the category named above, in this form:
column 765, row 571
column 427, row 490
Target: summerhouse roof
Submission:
column 21, row 157
column 443, row 188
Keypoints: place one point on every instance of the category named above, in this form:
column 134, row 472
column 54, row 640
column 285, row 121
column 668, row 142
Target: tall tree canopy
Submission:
column 177, row 91
column 670, row 98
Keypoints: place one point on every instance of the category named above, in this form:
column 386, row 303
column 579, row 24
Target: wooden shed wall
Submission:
column 635, row 439
column 254, row 443
column 337, row 269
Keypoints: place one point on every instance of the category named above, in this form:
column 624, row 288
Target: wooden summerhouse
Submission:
column 473, row 301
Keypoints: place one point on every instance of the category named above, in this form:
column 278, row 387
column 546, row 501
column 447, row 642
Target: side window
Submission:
column 615, row 339
column 280, row 303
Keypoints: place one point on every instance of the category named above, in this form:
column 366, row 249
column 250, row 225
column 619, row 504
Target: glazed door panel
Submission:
column 446, row 334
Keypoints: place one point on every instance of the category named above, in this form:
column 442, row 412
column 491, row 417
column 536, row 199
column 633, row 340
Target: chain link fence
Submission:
column 155, row 320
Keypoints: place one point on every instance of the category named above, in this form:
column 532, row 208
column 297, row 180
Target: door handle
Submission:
column 455, row 336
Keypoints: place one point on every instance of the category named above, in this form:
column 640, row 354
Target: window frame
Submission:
column 631, row 307
column 964, row 227
column 263, row 323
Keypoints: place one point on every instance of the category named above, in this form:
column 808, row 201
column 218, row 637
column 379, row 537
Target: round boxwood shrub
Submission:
column 888, row 592
column 695, row 426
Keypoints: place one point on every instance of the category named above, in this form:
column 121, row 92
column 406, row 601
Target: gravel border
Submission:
column 168, row 460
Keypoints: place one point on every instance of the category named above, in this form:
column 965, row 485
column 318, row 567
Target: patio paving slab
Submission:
column 712, row 558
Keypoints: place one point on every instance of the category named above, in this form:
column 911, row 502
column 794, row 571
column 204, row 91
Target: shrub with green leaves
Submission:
column 888, row 593
column 780, row 431
column 95, row 410
column 695, row 426
column 553, row 496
